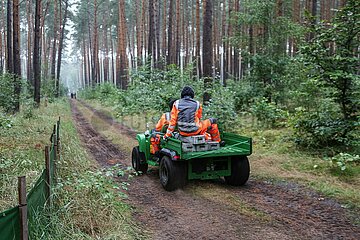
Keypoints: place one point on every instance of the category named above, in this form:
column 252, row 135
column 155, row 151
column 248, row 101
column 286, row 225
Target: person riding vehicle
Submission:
column 165, row 118
column 186, row 113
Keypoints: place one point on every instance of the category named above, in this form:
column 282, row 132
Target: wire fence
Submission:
column 16, row 223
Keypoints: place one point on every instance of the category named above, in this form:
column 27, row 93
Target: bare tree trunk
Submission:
column 9, row 37
column 61, row 44
column 90, row 79
column 229, row 49
column 138, row 32
column 29, row 14
column 122, row 65
column 177, row 37
column 236, row 49
column 158, row 30
column 164, row 29
column 225, row 44
column 2, row 30
column 170, row 58
column 16, row 55
column 44, row 49
column 112, row 62
column 207, row 49
column 53, row 50
column 313, row 13
column 197, row 52
column 297, row 19
column 106, row 45
column 151, row 29
column 95, row 48
column 86, row 79
column 143, row 30
column 36, row 60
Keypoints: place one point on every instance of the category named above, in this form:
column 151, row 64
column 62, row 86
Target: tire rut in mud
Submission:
column 103, row 151
column 295, row 212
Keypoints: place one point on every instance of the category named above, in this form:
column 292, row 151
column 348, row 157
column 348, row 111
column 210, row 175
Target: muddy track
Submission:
column 213, row 210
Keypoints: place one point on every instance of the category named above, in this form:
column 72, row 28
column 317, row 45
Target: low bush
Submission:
column 324, row 127
column 7, row 98
column 268, row 113
column 343, row 160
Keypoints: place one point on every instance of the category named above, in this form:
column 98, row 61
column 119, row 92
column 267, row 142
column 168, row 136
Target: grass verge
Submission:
column 88, row 204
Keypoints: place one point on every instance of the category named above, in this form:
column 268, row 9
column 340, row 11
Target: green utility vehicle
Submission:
column 185, row 158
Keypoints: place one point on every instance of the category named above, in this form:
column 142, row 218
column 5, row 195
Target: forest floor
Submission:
column 211, row 209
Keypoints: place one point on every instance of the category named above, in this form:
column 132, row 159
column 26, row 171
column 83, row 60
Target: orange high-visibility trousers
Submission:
column 212, row 129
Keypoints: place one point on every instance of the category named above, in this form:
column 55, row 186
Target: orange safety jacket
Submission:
column 164, row 120
column 186, row 114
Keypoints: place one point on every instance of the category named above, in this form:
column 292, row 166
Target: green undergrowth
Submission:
column 88, row 204
column 276, row 157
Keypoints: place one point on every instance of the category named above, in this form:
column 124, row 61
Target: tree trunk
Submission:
column 36, row 57
column 55, row 39
column 113, row 63
column 207, row 49
column 106, row 45
column 151, row 29
column 164, row 29
column 29, row 14
column 170, row 58
column 16, row 55
column 177, row 37
column 122, row 65
column 314, row 15
column 44, row 49
column 236, row 49
column 143, row 31
column 9, row 37
column 86, row 80
column 95, row 48
column 197, row 51
column 158, row 30
column 61, row 44
column 224, row 44
column 138, row 32
column 2, row 30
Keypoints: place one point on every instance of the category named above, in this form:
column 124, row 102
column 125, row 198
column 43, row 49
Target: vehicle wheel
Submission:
column 138, row 160
column 240, row 171
column 173, row 175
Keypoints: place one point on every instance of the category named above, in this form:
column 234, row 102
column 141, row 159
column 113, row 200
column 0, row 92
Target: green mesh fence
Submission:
column 36, row 200
column 10, row 224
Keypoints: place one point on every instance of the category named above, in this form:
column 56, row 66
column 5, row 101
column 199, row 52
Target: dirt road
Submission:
column 213, row 210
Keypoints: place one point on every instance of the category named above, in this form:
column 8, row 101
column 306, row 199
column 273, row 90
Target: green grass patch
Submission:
column 88, row 202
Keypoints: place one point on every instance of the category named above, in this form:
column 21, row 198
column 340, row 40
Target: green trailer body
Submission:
column 199, row 165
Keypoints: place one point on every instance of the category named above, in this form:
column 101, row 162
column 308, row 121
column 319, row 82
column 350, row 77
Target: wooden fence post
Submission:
column 55, row 157
column 58, row 133
column 48, row 176
column 24, row 232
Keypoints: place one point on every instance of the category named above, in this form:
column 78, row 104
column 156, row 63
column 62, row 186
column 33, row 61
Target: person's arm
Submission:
column 160, row 123
column 173, row 121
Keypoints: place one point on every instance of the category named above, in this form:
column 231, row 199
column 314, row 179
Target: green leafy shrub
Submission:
column 324, row 127
column 268, row 113
column 343, row 160
column 48, row 89
column 7, row 98
column 222, row 107
column 5, row 121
